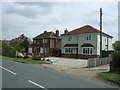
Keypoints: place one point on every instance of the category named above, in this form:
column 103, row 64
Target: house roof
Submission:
column 46, row 35
column 87, row 45
column 85, row 29
column 71, row 45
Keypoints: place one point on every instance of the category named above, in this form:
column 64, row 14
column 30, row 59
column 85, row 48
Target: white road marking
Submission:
column 8, row 70
column 37, row 84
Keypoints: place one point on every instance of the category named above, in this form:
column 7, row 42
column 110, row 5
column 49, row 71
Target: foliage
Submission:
column 107, row 53
column 116, row 46
column 25, row 44
column 6, row 47
column 25, row 57
column 116, row 57
column 21, row 43
column 45, row 55
column 19, row 48
column 110, row 76
column 115, row 63
column 36, row 57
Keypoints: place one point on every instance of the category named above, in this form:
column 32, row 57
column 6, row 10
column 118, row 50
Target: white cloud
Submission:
column 33, row 18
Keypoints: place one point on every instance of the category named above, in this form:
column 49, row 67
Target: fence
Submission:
column 93, row 62
column 9, row 54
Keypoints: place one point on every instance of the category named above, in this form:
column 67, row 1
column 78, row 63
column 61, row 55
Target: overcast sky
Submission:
column 33, row 18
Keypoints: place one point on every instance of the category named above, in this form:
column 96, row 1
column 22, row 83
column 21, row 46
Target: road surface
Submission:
column 19, row 75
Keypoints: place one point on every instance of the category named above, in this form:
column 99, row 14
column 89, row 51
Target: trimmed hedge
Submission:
column 107, row 53
column 115, row 63
column 36, row 57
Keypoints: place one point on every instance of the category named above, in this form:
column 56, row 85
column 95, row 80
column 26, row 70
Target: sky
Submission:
column 33, row 18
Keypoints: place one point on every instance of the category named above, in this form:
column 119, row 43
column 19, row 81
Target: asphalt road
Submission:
column 19, row 75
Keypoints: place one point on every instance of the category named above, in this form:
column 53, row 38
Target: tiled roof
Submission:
column 85, row 29
column 46, row 35
column 87, row 45
column 71, row 45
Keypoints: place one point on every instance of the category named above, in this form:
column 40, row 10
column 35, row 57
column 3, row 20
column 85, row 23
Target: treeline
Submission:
column 19, row 44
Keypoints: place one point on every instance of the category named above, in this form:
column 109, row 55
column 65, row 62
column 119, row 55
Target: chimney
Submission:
column 57, row 33
column 45, row 31
column 66, row 31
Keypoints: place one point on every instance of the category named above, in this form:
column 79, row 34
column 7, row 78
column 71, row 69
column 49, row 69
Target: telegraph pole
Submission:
column 100, row 32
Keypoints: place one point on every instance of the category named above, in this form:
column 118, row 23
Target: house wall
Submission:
column 65, row 41
column 104, row 42
column 79, row 39
column 93, row 41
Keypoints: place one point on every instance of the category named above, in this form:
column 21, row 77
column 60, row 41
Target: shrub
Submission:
column 45, row 55
column 35, row 57
column 115, row 64
column 25, row 57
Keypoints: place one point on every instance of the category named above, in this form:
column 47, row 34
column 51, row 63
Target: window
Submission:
column 87, row 51
column 70, row 38
column 44, row 40
column 38, row 42
column 87, row 37
column 77, row 38
column 34, row 41
column 70, row 50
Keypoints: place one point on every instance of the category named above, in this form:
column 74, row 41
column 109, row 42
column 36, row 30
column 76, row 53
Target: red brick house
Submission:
column 47, row 43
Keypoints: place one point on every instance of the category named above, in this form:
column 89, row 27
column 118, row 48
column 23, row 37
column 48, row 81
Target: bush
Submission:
column 115, row 64
column 35, row 57
column 45, row 55
column 25, row 57
column 106, row 53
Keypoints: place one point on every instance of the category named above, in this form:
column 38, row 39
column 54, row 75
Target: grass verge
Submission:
column 27, row 61
column 110, row 76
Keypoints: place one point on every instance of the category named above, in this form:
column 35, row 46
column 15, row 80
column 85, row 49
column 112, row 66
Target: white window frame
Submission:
column 87, row 50
column 70, row 50
column 88, row 37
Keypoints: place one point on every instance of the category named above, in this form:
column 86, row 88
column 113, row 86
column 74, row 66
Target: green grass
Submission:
column 110, row 76
column 27, row 61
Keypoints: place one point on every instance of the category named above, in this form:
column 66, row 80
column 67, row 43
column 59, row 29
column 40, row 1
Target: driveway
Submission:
column 69, row 62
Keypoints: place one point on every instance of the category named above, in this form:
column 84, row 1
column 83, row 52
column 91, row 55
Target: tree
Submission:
column 6, row 47
column 25, row 44
column 116, row 46
column 19, row 48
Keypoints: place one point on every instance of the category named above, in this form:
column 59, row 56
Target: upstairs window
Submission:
column 70, row 38
column 88, row 37
column 45, row 40
column 34, row 41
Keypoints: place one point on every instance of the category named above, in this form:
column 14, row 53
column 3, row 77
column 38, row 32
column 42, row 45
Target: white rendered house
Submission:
column 84, row 42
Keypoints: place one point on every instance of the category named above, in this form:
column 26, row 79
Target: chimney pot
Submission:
column 45, row 31
column 57, row 33
column 66, row 31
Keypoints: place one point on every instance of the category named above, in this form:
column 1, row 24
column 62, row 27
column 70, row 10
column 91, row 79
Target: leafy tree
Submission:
column 19, row 48
column 6, row 47
column 25, row 44
column 116, row 46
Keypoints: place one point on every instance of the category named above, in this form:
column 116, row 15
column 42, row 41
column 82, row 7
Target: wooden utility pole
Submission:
column 100, row 32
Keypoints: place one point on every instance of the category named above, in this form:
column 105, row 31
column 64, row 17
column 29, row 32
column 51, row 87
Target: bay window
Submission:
column 87, row 50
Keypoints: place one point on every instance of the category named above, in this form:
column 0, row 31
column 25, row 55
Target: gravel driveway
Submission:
column 69, row 62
